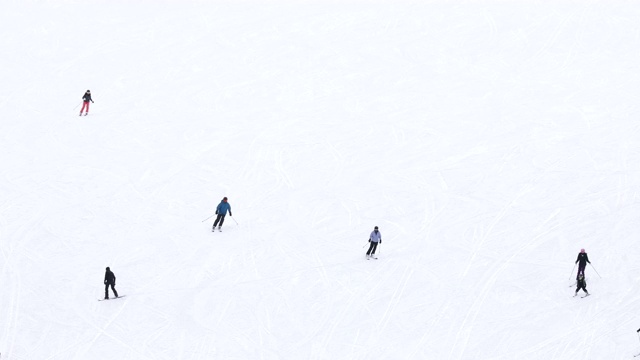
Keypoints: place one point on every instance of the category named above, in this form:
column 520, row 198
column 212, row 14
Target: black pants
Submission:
column 106, row 290
column 220, row 219
column 372, row 248
column 580, row 270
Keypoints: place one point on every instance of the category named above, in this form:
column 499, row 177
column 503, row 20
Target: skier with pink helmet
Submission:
column 583, row 259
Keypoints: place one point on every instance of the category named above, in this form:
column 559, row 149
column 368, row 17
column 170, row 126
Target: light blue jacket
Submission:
column 375, row 236
column 223, row 207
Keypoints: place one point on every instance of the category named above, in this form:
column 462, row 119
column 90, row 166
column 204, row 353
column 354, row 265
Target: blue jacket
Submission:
column 223, row 207
column 375, row 236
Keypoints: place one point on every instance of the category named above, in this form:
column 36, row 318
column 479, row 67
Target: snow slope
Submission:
column 489, row 141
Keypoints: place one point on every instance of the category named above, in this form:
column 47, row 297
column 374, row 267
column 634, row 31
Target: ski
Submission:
column 121, row 296
column 582, row 297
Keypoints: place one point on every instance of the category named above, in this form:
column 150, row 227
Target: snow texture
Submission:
column 488, row 140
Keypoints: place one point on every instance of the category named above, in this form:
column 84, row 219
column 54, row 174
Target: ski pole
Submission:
column 594, row 269
column 77, row 105
column 574, row 266
column 234, row 219
column 208, row 218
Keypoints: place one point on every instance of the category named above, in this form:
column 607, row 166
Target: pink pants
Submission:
column 85, row 104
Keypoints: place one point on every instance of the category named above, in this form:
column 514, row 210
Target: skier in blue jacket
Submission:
column 221, row 211
column 374, row 239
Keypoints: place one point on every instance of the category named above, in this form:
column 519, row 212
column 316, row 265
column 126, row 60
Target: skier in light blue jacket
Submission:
column 374, row 239
column 221, row 211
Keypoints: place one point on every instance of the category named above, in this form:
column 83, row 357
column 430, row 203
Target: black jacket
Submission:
column 583, row 259
column 87, row 97
column 109, row 277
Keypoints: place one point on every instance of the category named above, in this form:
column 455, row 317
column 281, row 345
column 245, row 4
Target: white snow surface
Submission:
column 488, row 140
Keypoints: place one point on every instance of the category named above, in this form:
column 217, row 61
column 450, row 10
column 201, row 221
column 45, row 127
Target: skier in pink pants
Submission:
column 85, row 102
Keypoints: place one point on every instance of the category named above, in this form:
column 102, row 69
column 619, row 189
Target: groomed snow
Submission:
column 489, row 141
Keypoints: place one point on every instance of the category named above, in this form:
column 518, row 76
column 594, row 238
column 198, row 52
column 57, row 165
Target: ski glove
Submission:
column 369, row 240
column 230, row 214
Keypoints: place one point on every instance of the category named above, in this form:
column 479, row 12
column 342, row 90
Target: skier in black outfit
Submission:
column 109, row 280
column 583, row 259
column 582, row 284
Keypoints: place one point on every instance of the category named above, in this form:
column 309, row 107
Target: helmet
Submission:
column 582, row 251
column 108, row 269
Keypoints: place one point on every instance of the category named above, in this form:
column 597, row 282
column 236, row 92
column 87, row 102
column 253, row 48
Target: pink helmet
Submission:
column 582, row 251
